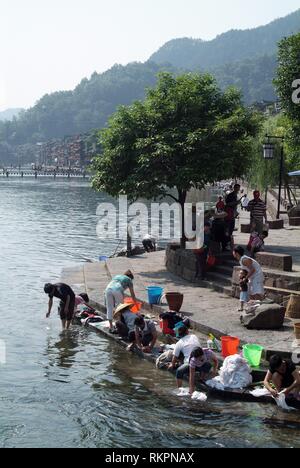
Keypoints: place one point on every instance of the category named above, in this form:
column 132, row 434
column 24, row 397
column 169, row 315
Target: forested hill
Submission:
column 87, row 107
column 246, row 59
column 9, row 114
column 229, row 47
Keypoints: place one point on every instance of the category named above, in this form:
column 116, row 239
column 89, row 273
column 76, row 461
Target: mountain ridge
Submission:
column 227, row 47
column 94, row 100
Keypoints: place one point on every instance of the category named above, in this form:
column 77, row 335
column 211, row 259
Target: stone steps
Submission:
column 225, row 269
column 220, row 278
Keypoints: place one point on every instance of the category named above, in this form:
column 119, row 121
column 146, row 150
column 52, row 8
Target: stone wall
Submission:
column 181, row 262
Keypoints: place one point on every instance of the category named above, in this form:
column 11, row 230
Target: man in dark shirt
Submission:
column 67, row 302
column 231, row 204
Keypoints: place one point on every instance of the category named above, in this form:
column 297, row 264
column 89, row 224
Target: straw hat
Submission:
column 120, row 309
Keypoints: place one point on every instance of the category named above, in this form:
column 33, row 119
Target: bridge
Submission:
column 35, row 173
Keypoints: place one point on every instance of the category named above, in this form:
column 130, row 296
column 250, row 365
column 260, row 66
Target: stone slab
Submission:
column 275, row 261
column 276, row 224
column 294, row 221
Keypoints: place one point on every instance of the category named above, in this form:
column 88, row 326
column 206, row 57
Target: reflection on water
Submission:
column 79, row 389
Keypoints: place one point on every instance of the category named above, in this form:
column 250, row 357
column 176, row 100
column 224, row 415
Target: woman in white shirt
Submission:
column 255, row 274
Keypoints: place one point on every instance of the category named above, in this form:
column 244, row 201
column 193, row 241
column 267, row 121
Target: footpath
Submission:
column 209, row 310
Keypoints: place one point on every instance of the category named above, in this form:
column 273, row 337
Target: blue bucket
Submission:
column 103, row 258
column 154, row 294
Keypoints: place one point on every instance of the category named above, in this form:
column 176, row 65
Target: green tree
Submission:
column 187, row 133
column 287, row 73
column 264, row 173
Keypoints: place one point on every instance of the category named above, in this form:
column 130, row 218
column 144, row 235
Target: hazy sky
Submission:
column 50, row 45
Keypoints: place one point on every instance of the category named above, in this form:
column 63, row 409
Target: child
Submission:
column 244, row 295
column 257, row 243
column 220, row 205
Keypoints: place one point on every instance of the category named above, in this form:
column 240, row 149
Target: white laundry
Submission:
column 259, row 392
column 198, row 396
column 282, row 403
column 183, row 392
column 216, row 383
column 169, row 347
column 235, row 373
column 280, row 400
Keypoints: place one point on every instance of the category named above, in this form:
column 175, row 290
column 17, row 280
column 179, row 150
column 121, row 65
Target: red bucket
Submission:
column 230, row 346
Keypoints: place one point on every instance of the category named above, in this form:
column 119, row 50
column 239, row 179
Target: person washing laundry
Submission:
column 282, row 376
column 115, row 294
column 149, row 243
column 66, row 308
column 185, row 346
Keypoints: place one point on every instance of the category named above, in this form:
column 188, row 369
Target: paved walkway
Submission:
column 211, row 310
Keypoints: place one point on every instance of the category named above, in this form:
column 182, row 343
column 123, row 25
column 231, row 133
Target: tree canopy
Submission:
column 288, row 72
column 187, row 133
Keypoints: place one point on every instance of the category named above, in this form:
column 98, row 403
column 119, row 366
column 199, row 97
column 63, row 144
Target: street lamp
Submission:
column 269, row 150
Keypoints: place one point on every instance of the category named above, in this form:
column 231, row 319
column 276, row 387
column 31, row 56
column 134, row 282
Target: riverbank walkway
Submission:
column 209, row 310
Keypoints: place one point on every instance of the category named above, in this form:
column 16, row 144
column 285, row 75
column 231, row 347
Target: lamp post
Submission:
column 269, row 149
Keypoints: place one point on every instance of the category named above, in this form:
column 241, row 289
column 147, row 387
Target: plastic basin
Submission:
column 252, row 353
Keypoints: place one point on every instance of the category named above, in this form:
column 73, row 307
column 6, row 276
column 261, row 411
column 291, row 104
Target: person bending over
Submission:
column 282, row 376
column 67, row 302
column 115, row 294
column 185, row 346
column 145, row 334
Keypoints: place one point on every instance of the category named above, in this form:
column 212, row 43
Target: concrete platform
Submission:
column 209, row 310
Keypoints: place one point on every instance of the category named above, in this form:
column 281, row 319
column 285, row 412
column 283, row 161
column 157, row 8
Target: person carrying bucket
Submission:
column 115, row 293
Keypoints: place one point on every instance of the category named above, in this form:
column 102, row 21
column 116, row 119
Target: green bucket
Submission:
column 252, row 353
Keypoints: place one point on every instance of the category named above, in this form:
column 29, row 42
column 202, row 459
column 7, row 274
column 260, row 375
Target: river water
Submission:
column 81, row 390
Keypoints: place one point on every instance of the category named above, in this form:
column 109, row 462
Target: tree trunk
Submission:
column 129, row 245
column 182, row 198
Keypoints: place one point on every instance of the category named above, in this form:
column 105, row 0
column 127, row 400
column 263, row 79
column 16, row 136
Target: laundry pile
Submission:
column 235, row 374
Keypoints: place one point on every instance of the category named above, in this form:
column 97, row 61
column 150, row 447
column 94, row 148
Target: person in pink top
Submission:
column 82, row 299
